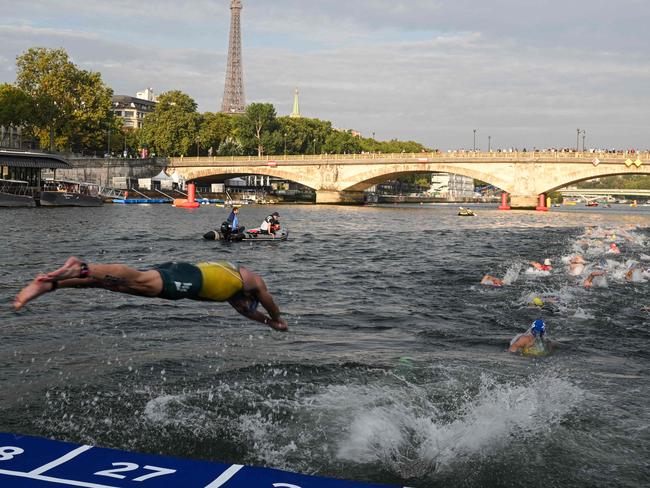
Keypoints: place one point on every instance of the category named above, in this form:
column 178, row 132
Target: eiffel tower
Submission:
column 233, row 90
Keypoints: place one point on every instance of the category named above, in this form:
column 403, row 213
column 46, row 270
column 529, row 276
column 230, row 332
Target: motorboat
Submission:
column 15, row 193
column 68, row 193
column 466, row 212
column 591, row 204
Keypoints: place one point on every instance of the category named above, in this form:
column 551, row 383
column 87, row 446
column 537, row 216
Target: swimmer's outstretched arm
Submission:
column 114, row 277
column 255, row 285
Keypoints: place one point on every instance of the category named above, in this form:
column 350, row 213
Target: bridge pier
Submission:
column 523, row 202
column 339, row 197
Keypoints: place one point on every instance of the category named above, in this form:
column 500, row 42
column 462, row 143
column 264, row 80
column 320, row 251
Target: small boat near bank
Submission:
column 466, row 212
column 15, row 193
column 68, row 193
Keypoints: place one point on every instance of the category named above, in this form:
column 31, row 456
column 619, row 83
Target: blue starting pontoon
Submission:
column 32, row 462
column 141, row 200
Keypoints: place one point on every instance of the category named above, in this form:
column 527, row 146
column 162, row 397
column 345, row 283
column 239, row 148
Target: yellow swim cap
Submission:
column 538, row 302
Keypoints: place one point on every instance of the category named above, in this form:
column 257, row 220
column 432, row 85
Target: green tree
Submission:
column 342, row 142
column 256, row 128
column 71, row 107
column 214, row 130
column 303, row 135
column 172, row 128
column 15, row 106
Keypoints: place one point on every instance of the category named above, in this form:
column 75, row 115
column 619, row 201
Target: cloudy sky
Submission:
column 527, row 73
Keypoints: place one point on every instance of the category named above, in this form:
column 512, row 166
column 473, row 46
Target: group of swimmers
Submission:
column 598, row 245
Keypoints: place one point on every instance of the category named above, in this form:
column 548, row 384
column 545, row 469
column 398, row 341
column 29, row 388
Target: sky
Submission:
column 521, row 73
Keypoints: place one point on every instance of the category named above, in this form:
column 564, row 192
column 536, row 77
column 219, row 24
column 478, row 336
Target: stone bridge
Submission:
column 341, row 178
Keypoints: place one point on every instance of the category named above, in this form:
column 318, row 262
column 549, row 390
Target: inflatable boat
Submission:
column 248, row 235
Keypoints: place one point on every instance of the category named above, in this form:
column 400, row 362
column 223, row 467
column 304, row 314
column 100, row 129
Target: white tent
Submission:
column 166, row 181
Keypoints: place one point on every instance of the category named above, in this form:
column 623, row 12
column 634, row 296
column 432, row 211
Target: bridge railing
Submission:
column 586, row 156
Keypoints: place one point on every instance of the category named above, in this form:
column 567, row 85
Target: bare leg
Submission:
column 114, row 277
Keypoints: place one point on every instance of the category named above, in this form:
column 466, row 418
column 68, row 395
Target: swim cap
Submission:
column 547, row 262
column 538, row 302
column 538, row 327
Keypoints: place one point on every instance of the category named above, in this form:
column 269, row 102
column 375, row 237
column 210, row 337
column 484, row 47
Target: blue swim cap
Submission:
column 538, row 327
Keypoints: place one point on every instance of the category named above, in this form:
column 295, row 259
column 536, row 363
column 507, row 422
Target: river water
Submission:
column 395, row 367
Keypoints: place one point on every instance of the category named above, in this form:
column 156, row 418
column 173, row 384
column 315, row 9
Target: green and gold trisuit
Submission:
column 217, row 281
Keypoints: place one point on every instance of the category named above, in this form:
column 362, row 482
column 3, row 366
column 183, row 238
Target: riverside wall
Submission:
column 102, row 170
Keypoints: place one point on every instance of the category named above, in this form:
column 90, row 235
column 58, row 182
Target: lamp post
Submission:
column 577, row 140
column 474, row 139
column 489, row 143
column 109, row 142
column 314, row 146
column 583, row 140
column 285, row 144
column 197, row 147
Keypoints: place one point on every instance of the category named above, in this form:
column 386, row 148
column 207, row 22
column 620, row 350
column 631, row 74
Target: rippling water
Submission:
column 394, row 369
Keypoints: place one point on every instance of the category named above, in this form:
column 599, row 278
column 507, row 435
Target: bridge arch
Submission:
column 365, row 179
column 574, row 177
column 233, row 172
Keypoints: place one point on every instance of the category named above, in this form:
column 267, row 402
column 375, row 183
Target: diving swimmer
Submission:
column 532, row 342
column 216, row 282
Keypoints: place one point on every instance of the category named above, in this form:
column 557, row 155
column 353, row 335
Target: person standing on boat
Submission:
column 216, row 282
column 271, row 224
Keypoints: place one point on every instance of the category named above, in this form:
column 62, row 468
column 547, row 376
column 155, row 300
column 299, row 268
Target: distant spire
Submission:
column 296, row 105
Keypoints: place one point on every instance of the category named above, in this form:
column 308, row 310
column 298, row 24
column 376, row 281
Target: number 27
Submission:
column 132, row 467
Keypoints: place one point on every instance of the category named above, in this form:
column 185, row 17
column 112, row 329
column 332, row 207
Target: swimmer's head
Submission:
column 547, row 262
column 538, row 302
column 613, row 246
column 245, row 302
column 538, row 327
column 253, row 304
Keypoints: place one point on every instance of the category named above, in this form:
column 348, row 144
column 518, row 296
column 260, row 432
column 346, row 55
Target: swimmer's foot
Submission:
column 70, row 269
column 35, row 289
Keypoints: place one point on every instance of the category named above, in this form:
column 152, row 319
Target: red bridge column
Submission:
column 541, row 206
column 504, row 202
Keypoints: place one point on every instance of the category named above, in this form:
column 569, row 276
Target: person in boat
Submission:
column 219, row 281
column 489, row 280
column 542, row 267
column 231, row 228
column 271, row 224
column 532, row 342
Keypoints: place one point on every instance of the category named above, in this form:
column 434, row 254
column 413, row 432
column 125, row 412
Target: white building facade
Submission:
column 451, row 186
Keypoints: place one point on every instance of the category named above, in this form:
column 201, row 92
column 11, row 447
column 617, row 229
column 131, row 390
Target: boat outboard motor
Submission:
column 225, row 231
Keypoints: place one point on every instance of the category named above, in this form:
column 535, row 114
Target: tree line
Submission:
column 64, row 108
